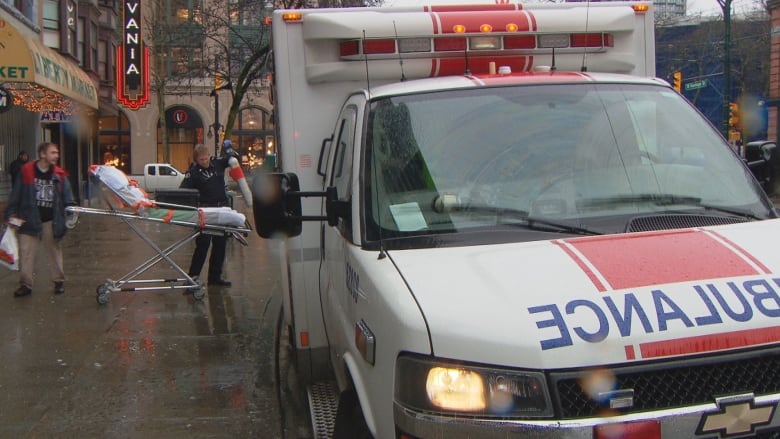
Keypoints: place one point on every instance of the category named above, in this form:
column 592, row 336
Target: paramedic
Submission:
column 207, row 175
column 37, row 207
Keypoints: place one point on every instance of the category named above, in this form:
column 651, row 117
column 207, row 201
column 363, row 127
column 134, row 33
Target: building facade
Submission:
column 55, row 79
column 191, row 57
column 774, row 71
column 67, row 76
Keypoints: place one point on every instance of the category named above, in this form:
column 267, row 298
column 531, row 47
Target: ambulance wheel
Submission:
column 102, row 299
column 198, row 293
column 350, row 423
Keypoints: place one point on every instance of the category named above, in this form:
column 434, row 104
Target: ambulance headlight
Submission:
column 427, row 385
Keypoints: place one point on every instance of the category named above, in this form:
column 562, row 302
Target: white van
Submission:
column 513, row 229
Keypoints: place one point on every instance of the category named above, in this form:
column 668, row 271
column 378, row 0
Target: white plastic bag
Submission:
column 9, row 249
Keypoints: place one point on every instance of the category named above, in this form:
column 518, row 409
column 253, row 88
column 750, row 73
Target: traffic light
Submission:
column 221, row 81
column 677, row 81
column 733, row 115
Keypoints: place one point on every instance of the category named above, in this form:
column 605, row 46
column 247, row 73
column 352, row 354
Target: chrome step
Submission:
column 323, row 403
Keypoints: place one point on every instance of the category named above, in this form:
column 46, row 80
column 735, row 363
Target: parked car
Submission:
column 158, row 176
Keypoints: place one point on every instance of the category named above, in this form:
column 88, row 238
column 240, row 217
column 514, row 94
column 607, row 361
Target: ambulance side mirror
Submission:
column 335, row 208
column 276, row 205
column 761, row 158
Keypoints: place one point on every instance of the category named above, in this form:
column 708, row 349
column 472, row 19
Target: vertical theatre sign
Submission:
column 132, row 60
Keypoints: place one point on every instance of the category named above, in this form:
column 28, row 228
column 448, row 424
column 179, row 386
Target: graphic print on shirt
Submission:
column 44, row 192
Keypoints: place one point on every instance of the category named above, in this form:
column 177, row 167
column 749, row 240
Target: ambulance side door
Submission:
column 335, row 277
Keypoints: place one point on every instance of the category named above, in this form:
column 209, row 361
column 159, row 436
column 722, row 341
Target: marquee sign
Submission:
column 132, row 59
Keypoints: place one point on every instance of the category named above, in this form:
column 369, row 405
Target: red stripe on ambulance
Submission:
column 708, row 343
column 583, row 266
column 497, row 19
column 636, row 260
column 463, row 8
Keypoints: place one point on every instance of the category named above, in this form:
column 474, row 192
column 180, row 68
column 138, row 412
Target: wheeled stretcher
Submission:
column 131, row 205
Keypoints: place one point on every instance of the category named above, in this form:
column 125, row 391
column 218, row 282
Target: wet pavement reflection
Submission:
column 151, row 363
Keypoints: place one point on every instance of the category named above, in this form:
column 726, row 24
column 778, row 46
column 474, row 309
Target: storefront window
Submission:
column 253, row 136
column 185, row 129
column 114, row 143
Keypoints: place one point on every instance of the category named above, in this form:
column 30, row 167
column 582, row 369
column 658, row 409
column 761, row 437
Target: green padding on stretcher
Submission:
column 190, row 216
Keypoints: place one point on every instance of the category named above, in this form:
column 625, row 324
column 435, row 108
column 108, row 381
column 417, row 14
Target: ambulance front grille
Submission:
column 666, row 222
column 672, row 384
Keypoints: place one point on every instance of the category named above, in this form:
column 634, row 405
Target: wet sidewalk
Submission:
column 148, row 364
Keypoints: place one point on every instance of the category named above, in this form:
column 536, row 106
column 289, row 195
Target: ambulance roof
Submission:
column 522, row 78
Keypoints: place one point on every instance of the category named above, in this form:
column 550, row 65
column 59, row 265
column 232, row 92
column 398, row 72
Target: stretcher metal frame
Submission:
column 185, row 282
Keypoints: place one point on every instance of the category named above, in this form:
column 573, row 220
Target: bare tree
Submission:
column 155, row 23
column 176, row 48
column 238, row 42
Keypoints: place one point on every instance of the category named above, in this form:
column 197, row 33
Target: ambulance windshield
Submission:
column 587, row 156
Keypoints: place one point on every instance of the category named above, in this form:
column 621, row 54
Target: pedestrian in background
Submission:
column 36, row 207
column 16, row 165
column 207, row 175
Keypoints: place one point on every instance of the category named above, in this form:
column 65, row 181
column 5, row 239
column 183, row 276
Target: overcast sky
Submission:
column 711, row 7
column 695, row 7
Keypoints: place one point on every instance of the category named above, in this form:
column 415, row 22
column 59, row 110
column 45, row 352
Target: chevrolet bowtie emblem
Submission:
column 736, row 417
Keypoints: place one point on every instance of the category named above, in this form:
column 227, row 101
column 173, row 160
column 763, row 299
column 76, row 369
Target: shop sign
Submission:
column 132, row 59
column 54, row 116
column 180, row 117
column 6, row 100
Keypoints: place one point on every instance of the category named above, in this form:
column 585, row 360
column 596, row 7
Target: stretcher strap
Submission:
column 168, row 216
column 202, row 216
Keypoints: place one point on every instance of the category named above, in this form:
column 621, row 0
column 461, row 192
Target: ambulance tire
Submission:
column 350, row 423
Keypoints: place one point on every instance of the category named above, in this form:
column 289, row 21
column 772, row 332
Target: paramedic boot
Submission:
column 59, row 287
column 23, row 290
column 220, row 282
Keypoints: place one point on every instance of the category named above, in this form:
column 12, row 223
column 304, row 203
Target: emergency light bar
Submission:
column 382, row 48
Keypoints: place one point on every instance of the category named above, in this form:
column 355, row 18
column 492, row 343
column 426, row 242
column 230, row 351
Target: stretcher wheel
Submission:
column 198, row 293
column 102, row 293
column 103, row 289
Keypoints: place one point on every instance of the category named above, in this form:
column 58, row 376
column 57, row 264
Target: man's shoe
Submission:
column 23, row 291
column 59, row 287
column 220, row 282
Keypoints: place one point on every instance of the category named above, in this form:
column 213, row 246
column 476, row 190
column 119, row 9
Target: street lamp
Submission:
column 220, row 82
column 216, row 126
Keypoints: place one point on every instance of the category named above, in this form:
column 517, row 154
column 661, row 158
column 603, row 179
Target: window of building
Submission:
column 253, row 137
column 185, row 62
column 114, row 141
column 185, row 38
column 93, row 45
column 247, row 12
column 82, row 48
column 51, row 15
column 26, row 7
column 102, row 60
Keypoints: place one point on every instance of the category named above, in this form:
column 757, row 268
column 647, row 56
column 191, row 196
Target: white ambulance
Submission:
column 497, row 223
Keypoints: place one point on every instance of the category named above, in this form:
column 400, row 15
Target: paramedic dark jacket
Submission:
column 22, row 202
column 210, row 182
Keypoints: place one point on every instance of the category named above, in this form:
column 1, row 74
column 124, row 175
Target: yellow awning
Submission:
column 25, row 60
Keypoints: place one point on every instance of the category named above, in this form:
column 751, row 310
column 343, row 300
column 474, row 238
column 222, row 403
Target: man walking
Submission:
column 37, row 207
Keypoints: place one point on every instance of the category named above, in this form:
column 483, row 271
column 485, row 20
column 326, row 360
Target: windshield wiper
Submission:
column 665, row 200
column 528, row 221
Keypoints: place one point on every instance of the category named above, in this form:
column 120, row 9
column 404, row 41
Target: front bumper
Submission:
column 739, row 417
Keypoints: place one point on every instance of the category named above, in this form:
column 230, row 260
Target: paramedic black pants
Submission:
column 217, row 259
